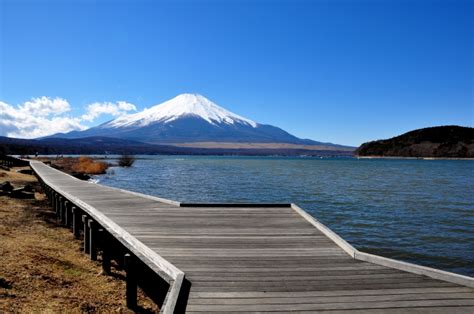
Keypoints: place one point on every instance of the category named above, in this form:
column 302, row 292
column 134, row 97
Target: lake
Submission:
column 420, row 211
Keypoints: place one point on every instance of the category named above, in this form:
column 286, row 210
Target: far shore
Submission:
column 55, row 158
column 415, row 158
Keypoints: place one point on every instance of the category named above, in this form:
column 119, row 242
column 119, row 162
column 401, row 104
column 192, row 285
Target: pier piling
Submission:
column 131, row 283
column 64, row 213
column 104, row 245
column 86, row 234
column 92, row 240
column 75, row 222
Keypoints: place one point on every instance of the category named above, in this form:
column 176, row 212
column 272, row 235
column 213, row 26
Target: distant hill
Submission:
column 88, row 145
column 443, row 141
column 106, row 145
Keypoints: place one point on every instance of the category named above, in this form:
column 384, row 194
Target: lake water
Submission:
column 420, row 211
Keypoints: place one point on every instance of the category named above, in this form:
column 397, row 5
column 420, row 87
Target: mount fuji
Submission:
column 193, row 120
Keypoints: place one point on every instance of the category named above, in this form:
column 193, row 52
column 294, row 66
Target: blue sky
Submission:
column 339, row 71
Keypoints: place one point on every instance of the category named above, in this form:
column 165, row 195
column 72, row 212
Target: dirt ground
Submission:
column 42, row 266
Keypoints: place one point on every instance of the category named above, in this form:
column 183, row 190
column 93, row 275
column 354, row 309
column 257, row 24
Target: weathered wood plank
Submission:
column 281, row 288
column 257, row 252
column 302, row 277
column 150, row 241
column 419, row 309
column 290, row 268
column 335, row 293
column 330, row 306
column 336, row 299
column 296, row 282
column 274, row 275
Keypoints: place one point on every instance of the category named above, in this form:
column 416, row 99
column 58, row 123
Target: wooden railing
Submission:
column 9, row 161
column 101, row 233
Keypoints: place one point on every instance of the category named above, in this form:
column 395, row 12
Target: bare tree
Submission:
column 126, row 160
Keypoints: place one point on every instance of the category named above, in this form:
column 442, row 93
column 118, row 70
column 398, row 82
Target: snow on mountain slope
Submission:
column 181, row 106
column 189, row 118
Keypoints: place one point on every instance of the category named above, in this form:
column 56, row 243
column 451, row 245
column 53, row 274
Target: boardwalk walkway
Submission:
column 251, row 258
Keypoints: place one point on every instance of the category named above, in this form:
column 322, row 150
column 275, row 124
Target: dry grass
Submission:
column 43, row 268
column 83, row 164
column 89, row 166
column 15, row 177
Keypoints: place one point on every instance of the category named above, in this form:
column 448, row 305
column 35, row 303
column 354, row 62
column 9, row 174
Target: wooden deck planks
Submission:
column 262, row 259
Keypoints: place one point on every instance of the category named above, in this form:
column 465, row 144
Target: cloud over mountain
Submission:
column 115, row 109
column 42, row 116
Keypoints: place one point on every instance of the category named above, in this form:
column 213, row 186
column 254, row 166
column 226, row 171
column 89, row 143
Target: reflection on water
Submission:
column 415, row 210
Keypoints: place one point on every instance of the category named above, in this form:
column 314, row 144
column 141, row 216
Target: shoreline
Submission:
column 412, row 158
column 51, row 158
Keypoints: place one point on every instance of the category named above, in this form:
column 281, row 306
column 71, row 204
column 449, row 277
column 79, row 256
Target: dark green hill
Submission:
column 443, row 141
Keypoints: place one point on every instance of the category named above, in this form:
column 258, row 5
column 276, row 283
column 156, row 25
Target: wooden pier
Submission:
column 241, row 258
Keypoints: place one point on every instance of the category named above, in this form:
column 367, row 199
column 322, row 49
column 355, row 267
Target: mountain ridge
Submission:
column 189, row 118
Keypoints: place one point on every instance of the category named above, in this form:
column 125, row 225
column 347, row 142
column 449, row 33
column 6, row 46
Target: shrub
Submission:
column 89, row 166
column 126, row 160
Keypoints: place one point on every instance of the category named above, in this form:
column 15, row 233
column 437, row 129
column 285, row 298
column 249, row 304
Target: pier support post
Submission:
column 86, row 234
column 104, row 245
column 70, row 218
column 92, row 240
column 65, row 213
column 47, row 190
column 75, row 222
column 55, row 202
column 60, row 208
column 131, row 282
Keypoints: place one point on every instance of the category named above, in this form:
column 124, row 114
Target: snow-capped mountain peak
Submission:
column 191, row 119
column 182, row 105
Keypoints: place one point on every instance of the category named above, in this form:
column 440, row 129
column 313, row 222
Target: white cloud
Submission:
column 115, row 109
column 38, row 127
column 44, row 116
column 44, row 106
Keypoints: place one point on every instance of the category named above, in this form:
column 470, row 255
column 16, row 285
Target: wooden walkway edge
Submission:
column 384, row 261
column 241, row 257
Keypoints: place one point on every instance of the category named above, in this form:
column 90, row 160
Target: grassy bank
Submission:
column 43, row 268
